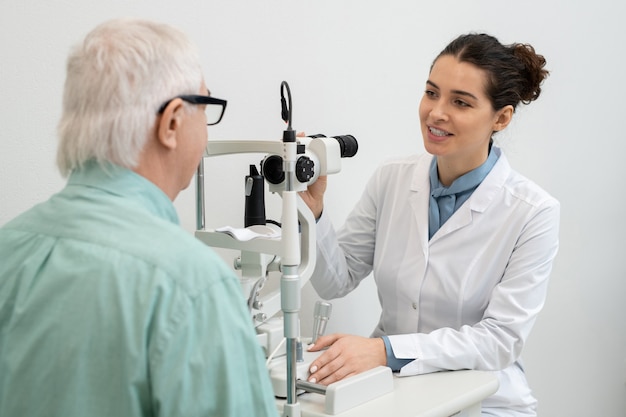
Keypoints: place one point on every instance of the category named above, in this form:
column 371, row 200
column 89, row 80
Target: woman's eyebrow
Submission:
column 459, row 92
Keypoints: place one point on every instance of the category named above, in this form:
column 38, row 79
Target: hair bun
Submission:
column 533, row 66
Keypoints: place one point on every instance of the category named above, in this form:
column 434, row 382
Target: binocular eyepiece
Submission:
column 313, row 162
column 347, row 143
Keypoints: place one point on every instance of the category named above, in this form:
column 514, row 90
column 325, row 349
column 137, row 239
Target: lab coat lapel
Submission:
column 419, row 200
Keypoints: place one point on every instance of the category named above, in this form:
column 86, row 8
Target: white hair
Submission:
column 116, row 80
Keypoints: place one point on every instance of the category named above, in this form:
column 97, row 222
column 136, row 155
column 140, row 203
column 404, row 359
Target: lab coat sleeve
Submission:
column 340, row 269
column 496, row 341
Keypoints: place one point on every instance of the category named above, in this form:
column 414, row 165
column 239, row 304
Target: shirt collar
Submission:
column 466, row 181
column 123, row 182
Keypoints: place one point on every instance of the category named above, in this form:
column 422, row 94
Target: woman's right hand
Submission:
column 314, row 196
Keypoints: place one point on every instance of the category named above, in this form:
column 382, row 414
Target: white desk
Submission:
column 440, row 394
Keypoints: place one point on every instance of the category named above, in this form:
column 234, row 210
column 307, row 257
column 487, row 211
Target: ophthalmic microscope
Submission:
column 288, row 247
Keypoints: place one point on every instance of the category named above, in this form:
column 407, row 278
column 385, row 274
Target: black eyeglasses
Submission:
column 215, row 107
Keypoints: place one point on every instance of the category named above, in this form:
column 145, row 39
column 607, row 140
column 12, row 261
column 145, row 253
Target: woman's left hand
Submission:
column 346, row 355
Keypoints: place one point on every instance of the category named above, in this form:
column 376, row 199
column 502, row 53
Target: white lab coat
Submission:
column 466, row 299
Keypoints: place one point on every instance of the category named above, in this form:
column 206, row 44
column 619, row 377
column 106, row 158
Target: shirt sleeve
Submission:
column 392, row 362
column 205, row 358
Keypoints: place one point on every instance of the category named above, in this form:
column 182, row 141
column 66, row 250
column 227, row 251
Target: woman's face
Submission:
column 457, row 117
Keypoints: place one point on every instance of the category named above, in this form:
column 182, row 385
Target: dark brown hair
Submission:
column 514, row 72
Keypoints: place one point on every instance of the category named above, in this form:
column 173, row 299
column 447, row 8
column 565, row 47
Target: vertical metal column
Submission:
column 200, row 196
column 290, row 280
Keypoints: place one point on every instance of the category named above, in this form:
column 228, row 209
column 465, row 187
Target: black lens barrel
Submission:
column 348, row 144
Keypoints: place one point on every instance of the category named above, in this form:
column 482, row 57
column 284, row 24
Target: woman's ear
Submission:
column 169, row 124
column 503, row 118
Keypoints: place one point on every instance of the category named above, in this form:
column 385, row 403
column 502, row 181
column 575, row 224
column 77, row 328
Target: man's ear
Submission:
column 169, row 124
column 504, row 116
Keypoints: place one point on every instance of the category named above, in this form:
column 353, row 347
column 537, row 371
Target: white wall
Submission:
column 359, row 67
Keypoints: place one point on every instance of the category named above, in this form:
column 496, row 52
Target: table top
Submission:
column 429, row 395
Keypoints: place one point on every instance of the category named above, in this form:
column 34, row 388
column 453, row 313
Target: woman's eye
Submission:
column 461, row 103
column 430, row 93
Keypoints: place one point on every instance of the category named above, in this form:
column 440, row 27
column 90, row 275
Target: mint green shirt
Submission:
column 109, row 308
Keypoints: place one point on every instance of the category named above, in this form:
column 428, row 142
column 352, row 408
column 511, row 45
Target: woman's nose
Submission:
column 439, row 111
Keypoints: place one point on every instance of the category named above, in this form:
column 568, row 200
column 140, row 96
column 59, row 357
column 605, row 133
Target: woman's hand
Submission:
column 314, row 196
column 346, row 355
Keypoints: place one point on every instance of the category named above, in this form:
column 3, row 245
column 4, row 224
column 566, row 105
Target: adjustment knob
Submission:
column 305, row 168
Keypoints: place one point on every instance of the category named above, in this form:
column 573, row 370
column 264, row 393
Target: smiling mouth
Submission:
column 438, row 132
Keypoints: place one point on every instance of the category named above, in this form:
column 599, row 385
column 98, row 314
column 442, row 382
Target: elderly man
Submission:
column 107, row 306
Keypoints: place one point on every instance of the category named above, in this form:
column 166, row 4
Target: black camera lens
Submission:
column 272, row 169
column 348, row 144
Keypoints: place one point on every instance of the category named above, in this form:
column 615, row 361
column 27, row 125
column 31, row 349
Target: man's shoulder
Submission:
column 111, row 230
column 175, row 251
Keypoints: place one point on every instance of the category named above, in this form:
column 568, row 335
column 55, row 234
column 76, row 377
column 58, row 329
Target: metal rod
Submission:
column 291, row 371
column 200, row 196
column 310, row 387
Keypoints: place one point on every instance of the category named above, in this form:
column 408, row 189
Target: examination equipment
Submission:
column 288, row 247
